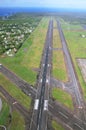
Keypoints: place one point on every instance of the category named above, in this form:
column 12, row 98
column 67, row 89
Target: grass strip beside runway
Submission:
column 56, row 126
column 59, row 68
column 9, row 117
column 56, row 37
column 18, row 122
column 4, row 113
column 62, row 97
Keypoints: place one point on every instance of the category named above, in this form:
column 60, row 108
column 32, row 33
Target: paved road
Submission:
column 19, row 82
column 67, row 86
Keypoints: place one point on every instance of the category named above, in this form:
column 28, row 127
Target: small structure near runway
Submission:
column 82, row 66
column 0, row 104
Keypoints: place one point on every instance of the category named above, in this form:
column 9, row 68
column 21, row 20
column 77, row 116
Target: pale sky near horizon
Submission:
column 44, row 3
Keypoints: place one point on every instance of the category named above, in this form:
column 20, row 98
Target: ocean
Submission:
column 11, row 11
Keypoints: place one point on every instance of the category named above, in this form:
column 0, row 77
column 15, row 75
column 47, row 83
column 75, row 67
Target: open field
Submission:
column 4, row 112
column 62, row 97
column 15, row 92
column 10, row 118
column 17, row 121
column 56, row 37
column 71, row 27
column 77, row 46
column 22, row 63
column 56, row 126
column 59, row 68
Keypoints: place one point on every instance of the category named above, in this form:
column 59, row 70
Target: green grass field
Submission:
column 15, row 92
column 56, row 37
column 71, row 23
column 77, row 47
column 18, row 122
column 4, row 113
column 63, row 97
column 28, row 57
column 59, row 68
column 56, row 126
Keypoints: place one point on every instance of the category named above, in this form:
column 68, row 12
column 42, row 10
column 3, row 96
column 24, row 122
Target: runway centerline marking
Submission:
column 36, row 104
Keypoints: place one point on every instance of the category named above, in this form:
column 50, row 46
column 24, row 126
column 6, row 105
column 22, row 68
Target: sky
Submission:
column 81, row 4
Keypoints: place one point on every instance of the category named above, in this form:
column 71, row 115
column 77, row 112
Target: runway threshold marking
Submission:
column 46, row 105
column 0, row 65
column 47, row 80
column 49, row 65
column 50, row 48
column 36, row 104
column 80, row 107
column 40, row 80
column 43, row 65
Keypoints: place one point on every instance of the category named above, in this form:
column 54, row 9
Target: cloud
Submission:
column 45, row 3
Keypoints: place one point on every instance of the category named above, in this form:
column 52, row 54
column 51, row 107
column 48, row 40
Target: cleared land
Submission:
column 56, row 37
column 56, row 126
column 63, row 97
column 77, row 46
column 4, row 113
column 18, row 122
column 59, row 68
column 12, row 118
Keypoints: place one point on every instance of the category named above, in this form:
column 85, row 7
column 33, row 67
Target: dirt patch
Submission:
column 82, row 66
column 36, row 69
